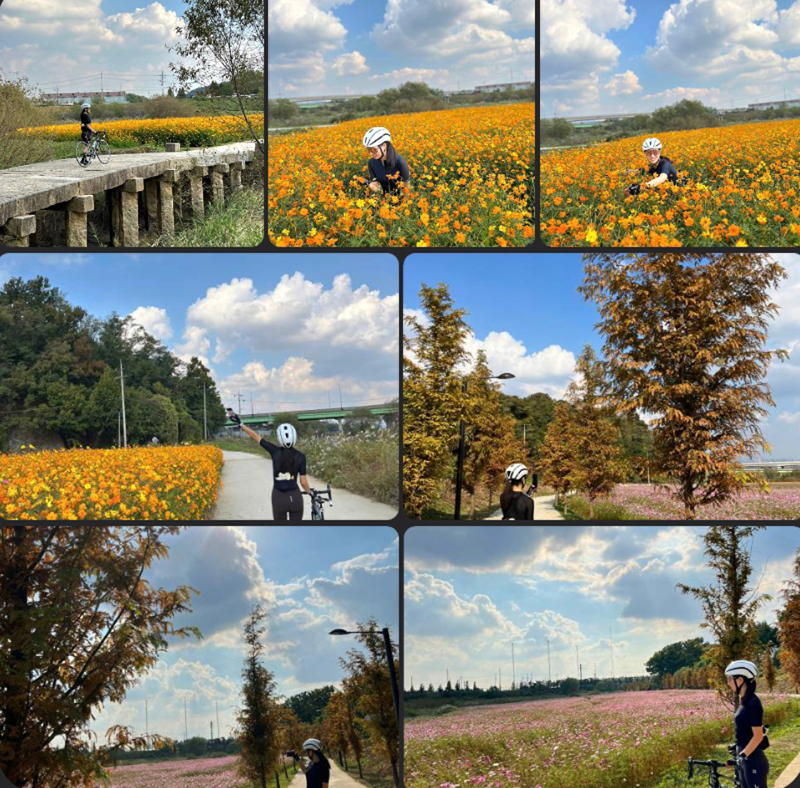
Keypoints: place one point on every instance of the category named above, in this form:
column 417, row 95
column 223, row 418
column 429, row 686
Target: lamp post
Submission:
column 462, row 427
column 387, row 643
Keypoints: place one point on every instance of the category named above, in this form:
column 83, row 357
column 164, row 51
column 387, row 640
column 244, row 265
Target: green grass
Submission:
column 603, row 510
column 239, row 444
column 240, row 222
column 784, row 740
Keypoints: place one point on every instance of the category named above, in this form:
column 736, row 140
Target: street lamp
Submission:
column 461, row 447
column 389, row 658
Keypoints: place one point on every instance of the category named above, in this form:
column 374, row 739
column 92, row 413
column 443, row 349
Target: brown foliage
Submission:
column 789, row 623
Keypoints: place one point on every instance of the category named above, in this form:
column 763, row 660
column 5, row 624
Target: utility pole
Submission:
column 205, row 418
column 240, row 397
column 513, row 668
column 580, row 674
column 212, row 728
column 341, row 406
column 162, row 83
column 251, row 404
column 124, row 423
column 119, row 429
column 101, row 83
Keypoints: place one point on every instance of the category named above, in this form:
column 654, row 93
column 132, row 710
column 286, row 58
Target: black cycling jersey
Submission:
column 285, row 482
column 664, row 166
column 520, row 508
column 85, row 119
column 380, row 171
column 317, row 775
column 749, row 715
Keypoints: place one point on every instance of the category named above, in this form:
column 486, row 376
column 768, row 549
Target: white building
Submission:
column 111, row 97
column 503, row 86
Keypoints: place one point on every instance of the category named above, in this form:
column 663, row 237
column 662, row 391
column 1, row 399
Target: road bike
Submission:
column 318, row 499
column 715, row 779
column 98, row 148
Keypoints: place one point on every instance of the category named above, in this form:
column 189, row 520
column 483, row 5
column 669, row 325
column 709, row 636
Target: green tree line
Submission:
column 61, row 374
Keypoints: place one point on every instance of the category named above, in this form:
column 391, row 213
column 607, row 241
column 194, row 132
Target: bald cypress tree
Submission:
column 685, row 338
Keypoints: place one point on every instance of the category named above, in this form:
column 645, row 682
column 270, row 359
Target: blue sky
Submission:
column 634, row 56
column 531, row 321
column 310, row 579
column 470, row 591
column 286, row 329
column 330, row 47
column 64, row 46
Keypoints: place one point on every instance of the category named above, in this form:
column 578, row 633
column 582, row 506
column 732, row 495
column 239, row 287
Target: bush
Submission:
column 557, row 129
column 16, row 110
column 684, row 115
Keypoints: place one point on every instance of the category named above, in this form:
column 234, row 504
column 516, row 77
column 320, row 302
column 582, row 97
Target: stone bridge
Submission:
column 139, row 188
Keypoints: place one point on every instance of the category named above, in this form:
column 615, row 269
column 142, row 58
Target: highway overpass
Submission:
column 320, row 414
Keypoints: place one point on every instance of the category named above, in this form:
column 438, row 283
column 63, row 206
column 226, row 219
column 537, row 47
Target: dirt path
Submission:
column 543, row 509
column 339, row 779
column 247, row 492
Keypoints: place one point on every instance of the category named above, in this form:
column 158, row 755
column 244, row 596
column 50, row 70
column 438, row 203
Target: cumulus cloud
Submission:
column 154, row 320
column 430, row 76
column 302, row 25
column 625, row 83
column 350, row 63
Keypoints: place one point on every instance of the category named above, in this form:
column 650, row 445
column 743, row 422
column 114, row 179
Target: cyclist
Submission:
column 386, row 167
column 86, row 129
column 318, row 771
column 660, row 167
column 516, row 505
column 748, row 721
column 288, row 465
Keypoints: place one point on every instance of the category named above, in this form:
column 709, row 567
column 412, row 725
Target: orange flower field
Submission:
column 742, row 190
column 471, row 182
column 191, row 132
column 148, row 483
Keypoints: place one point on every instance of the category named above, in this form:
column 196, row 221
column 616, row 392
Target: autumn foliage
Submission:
column 79, row 625
column 789, row 623
column 742, row 191
column 685, row 341
column 146, row 483
column 471, row 182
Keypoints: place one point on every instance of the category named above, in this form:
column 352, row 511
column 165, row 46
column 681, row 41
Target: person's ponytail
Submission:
column 506, row 496
column 391, row 156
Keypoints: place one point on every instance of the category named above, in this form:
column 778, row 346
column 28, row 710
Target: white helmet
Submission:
column 650, row 143
column 85, row 105
column 743, row 668
column 516, row 472
column 287, row 435
column 312, row 744
column 376, row 136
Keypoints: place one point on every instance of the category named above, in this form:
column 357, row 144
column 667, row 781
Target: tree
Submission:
column 789, row 624
column 433, row 404
column 768, row 667
column 369, row 681
column 730, row 605
column 310, row 705
column 258, row 718
column 79, row 625
column 282, row 110
column 555, row 454
column 685, row 114
column 221, row 38
column 596, row 456
column 684, row 339
column 675, row 656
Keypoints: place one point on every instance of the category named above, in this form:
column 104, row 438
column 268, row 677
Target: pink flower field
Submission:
column 656, row 503
column 592, row 742
column 200, row 773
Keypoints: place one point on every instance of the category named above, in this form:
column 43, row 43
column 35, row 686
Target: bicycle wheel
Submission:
column 103, row 152
column 80, row 154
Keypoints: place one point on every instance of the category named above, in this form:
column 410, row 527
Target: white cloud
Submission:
column 428, row 75
column 302, row 26
column 625, row 83
column 785, row 417
column 350, row 63
column 154, row 320
column 709, row 96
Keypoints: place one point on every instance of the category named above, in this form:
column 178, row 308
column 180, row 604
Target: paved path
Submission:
column 790, row 777
column 247, row 494
column 543, row 509
column 34, row 187
column 339, row 779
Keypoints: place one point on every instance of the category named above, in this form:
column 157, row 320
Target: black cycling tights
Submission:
column 754, row 771
column 287, row 505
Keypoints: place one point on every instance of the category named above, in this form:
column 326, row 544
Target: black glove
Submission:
column 634, row 188
column 233, row 417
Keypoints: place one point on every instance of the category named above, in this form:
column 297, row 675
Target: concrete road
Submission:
column 339, row 779
column 543, row 509
column 247, row 494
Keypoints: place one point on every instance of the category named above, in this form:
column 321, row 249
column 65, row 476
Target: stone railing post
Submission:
column 77, row 212
column 166, row 209
column 196, row 176
column 18, row 229
column 125, row 212
column 217, row 182
column 236, row 176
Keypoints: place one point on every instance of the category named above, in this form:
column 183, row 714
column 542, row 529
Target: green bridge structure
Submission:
column 268, row 419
